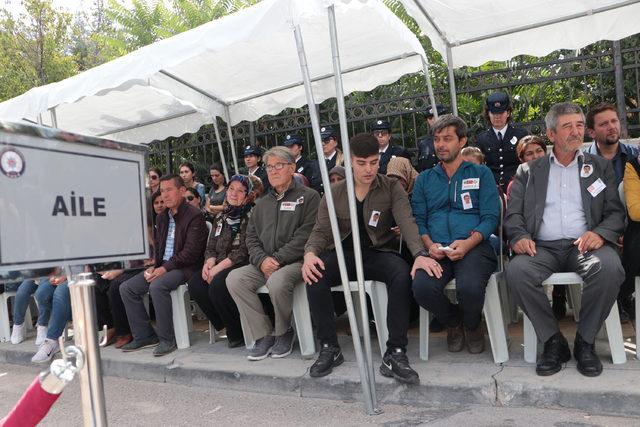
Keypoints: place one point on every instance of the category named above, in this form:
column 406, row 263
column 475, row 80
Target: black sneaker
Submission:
column 137, row 344
column 396, row 364
column 330, row 356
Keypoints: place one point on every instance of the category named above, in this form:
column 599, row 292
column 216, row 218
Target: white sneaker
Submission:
column 46, row 352
column 42, row 334
column 17, row 334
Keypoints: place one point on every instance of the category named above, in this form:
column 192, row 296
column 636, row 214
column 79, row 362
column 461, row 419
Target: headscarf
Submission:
column 401, row 167
column 233, row 214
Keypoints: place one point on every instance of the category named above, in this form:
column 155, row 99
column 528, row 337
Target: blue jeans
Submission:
column 23, row 292
column 55, row 300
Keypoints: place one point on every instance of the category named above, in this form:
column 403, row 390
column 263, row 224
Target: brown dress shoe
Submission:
column 475, row 340
column 455, row 338
column 123, row 340
column 111, row 337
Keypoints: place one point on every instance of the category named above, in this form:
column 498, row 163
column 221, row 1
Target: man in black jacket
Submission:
column 180, row 240
column 308, row 168
column 382, row 131
column 427, row 157
column 498, row 143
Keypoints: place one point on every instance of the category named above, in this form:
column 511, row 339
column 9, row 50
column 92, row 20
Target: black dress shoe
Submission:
column 235, row 343
column 589, row 363
column 556, row 352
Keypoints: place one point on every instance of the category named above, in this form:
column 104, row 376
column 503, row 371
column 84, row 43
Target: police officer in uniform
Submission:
column 306, row 167
column 382, row 131
column 498, row 143
column 426, row 152
column 252, row 161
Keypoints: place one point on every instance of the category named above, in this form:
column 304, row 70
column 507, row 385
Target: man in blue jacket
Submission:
column 456, row 207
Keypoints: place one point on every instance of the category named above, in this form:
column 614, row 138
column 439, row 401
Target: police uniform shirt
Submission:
column 331, row 161
column 427, row 157
column 500, row 155
column 389, row 152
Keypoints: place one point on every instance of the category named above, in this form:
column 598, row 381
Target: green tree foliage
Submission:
column 34, row 48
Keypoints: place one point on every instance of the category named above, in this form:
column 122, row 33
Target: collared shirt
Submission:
column 564, row 216
column 253, row 172
column 384, row 150
column 171, row 235
column 298, row 158
column 502, row 131
column 331, row 156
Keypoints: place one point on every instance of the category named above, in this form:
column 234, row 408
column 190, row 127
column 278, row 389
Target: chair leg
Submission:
column 494, row 320
column 505, row 301
column 181, row 314
column 302, row 319
column 424, row 334
column 5, row 326
column 377, row 291
column 575, row 293
column 530, row 340
column 614, row 332
column 212, row 333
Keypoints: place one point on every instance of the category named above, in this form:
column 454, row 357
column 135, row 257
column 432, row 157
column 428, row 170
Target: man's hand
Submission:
column 589, row 241
column 435, row 252
column 269, row 266
column 525, row 247
column 153, row 273
column 310, row 268
column 460, row 249
column 56, row 280
column 429, row 265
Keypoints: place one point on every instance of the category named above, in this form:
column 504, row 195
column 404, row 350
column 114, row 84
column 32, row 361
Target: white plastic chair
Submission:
column 611, row 324
column 494, row 320
column 377, row 292
column 5, row 325
column 181, row 314
column 301, row 319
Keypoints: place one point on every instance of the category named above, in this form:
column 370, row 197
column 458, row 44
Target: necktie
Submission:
column 500, row 136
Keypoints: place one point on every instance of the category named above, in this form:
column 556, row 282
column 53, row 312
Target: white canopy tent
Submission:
column 176, row 85
column 472, row 32
column 277, row 54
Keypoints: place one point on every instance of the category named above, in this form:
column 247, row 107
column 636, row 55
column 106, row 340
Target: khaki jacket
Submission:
column 388, row 198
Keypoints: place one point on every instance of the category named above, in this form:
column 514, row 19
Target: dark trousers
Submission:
column 380, row 266
column 471, row 273
column 601, row 271
column 118, row 312
column 216, row 302
column 133, row 290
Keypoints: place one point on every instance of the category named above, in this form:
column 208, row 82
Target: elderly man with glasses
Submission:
column 278, row 229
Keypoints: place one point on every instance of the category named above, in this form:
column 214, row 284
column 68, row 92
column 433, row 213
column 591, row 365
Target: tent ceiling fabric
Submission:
column 497, row 30
column 237, row 62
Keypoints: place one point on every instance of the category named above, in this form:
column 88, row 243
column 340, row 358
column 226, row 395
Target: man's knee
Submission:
column 280, row 288
column 424, row 287
column 518, row 269
column 603, row 267
column 234, row 280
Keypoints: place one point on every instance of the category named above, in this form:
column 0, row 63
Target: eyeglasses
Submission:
column 277, row 166
column 380, row 133
column 190, row 198
column 153, row 177
column 326, row 140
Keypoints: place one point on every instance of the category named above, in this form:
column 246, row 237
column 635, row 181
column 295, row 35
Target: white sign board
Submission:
column 67, row 199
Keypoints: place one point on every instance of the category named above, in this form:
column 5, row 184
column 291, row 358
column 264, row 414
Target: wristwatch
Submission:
column 422, row 253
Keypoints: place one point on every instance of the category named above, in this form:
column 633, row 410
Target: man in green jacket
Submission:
column 279, row 226
column 381, row 203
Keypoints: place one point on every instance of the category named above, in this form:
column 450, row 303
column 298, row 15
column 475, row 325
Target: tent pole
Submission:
column 315, row 125
column 432, row 98
column 54, row 117
column 452, row 82
column 233, row 145
column 351, row 195
column 220, row 150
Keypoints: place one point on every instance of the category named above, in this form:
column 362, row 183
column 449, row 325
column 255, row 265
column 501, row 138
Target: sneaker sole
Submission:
column 335, row 364
column 281, row 355
column 129, row 350
column 261, row 357
column 390, row 374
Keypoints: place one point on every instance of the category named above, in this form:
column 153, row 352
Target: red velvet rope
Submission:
column 32, row 407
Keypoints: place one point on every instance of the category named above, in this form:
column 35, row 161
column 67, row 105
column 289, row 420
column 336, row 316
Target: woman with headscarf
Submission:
column 402, row 169
column 226, row 250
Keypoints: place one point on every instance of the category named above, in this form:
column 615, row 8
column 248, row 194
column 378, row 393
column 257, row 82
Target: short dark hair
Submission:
column 364, row 145
column 194, row 192
column 593, row 112
column 154, row 196
column 485, row 112
column 156, row 170
column 177, row 180
column 447, row 120
column 189, row 165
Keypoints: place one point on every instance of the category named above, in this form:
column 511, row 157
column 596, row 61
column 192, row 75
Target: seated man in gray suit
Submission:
column 564, row 215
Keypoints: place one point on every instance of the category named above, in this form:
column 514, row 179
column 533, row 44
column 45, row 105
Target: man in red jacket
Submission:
column 180, row 239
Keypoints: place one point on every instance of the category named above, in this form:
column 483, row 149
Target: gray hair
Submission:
column 280, row 152
column 561, row 109
column 447, row 120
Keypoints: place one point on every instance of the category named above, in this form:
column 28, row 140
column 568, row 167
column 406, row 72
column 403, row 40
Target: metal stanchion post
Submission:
column 220, row 150
column 365, row 379
column 86, row 339
column 432, row 98
column 233, row 145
